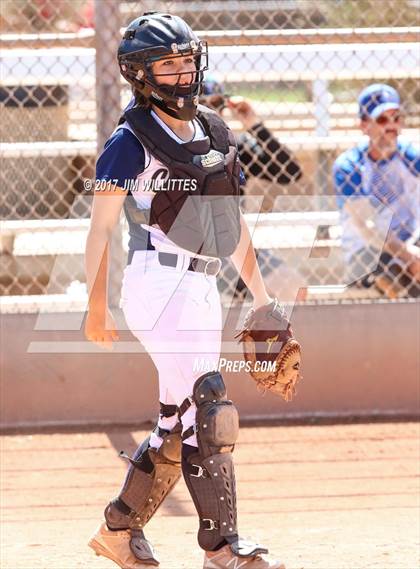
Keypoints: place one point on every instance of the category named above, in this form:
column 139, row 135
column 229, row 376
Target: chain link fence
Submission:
column 300, row 66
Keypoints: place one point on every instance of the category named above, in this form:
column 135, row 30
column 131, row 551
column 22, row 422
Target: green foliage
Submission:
column 369, row 13
column 273, row 93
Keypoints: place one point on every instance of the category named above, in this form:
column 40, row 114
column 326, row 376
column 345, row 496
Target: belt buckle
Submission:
column 219, row 266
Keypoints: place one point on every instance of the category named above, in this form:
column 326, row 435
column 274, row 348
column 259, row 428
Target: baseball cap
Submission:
column 376, row 99
column 211, row 86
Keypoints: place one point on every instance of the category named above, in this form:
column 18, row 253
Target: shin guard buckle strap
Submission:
column 185, row 405
column 213, row 524
column 189, row 432
column 201, row 472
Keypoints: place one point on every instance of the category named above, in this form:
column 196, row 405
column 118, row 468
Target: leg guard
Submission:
column 152, row 474
column 209, row 472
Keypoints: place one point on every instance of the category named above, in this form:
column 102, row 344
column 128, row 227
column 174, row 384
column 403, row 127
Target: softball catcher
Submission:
column 174, row 150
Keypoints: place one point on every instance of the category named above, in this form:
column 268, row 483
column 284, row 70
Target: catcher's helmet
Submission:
column 154, row 36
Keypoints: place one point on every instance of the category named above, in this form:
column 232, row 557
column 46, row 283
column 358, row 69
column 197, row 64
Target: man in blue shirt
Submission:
column 377, row 192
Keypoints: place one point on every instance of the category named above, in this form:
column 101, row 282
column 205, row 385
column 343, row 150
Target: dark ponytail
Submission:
column 140, row 99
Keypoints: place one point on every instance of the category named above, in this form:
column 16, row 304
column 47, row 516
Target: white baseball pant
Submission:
column 176, row 314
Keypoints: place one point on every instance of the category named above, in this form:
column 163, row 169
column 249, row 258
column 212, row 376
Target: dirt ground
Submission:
column 320, row 497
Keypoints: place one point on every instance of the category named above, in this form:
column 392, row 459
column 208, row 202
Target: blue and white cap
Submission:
column 376, row 99
column 212, row 86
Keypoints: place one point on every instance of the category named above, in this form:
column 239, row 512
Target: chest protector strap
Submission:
column 197, row 206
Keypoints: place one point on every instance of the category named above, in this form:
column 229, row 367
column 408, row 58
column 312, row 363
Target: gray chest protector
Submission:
column 197, row 206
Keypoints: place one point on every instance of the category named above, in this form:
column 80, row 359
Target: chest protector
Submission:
column 197, row 206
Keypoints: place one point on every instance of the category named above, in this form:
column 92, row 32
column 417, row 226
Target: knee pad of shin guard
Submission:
column 217, row 420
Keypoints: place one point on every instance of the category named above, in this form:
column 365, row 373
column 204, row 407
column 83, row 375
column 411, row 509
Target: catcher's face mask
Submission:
column 172, row 83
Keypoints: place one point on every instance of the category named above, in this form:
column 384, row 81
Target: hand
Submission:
column 242, row 110
column 100, row 329
column 413, row 264
column 413, row 268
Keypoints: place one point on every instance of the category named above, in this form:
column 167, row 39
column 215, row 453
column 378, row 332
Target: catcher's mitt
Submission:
column 267, row 337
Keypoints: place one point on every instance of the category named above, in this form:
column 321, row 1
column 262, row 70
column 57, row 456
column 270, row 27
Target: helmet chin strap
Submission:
column 158, row 95
column 184, row 114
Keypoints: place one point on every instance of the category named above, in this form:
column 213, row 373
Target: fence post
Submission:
column 108, row 108
column 321, row 99
column 108, row 84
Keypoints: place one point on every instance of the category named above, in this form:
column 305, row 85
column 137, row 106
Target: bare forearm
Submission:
column 392, row 244
column 96, row 265
column 363, row 216
column 246, row 264
column 398, row 248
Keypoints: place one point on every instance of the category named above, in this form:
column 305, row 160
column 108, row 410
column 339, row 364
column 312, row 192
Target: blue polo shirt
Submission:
column 391, row 186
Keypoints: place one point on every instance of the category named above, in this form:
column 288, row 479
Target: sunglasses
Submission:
column 383, row 119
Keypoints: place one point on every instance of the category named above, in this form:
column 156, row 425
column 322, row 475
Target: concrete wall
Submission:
column 358, row 359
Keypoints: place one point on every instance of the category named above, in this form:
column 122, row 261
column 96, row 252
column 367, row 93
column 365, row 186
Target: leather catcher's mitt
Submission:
column 267, row 338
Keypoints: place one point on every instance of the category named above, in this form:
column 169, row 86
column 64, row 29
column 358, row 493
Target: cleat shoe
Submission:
column 115, row 545
column 224, row 558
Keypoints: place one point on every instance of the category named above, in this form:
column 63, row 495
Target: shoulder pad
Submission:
column 221, row 135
